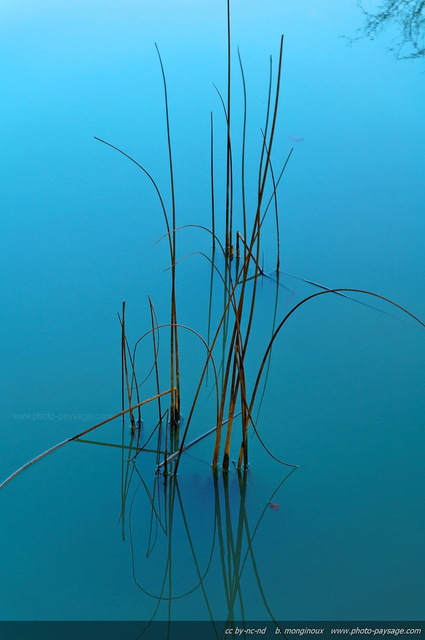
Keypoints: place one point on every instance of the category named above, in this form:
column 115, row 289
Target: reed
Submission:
column 231, row 334
column 238, row 272
column 234, row 279
column 77, row 436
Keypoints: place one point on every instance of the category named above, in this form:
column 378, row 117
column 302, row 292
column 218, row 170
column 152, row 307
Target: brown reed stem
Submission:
column 79, row 435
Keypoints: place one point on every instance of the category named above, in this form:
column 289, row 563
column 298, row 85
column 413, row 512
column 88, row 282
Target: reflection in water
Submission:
column 192, row 546
column 409, row 19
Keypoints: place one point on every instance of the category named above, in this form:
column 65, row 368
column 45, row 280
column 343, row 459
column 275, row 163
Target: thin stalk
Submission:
column 255, row 242
column 203, row 228
column 126, row 477
column 229, row 183
column 249, row 254
column 200, row 384
column 243, row 453
column 174, row 354
column 124, row 356
column 232, row 405
column 243, row 146
column 155, row 186
column 269, row 100
column 212, row 179
column 364, row 304
column 230, row 301
column 276, row 215
column 203, row 373
column 265, row 359
column 263, row 179
column 123, row 353
column 154, row 322
column 79, row 435
column 166, row 452
column 229, row 169
column 255, row 238
column 125, row 348
column 223, row 395
column 158, row 451
column 188, row 446
column 195, row 333
column 301, row 303
column 269, row 357
column 211, row 296
column 276, row 183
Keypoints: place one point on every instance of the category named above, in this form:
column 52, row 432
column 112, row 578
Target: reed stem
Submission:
column 79, row 435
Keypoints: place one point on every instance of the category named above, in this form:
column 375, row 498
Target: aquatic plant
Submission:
column 235, row 269
column 238, row 275
column 235, row 264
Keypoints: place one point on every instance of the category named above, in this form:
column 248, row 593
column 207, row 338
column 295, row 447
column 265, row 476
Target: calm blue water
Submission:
column 345, row 396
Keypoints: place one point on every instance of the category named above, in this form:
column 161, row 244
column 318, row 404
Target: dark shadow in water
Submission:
column 408, row 17
column 214, row 548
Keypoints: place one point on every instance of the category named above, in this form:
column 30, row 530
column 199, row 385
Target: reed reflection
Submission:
column 193, row 546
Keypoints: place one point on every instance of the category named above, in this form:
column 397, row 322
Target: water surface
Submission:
column 345, row 393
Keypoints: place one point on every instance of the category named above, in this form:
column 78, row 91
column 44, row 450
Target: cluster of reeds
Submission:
column 235, row 264
column 239, row 256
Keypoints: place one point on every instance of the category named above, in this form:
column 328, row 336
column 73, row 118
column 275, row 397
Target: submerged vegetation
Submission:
column 226, row 370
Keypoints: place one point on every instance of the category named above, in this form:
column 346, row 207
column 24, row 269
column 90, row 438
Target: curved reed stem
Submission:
column 300, row 304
